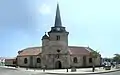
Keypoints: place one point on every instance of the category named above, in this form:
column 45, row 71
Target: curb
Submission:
column 74, row 73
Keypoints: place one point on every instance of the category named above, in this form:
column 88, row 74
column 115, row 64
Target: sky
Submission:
column 93, row 23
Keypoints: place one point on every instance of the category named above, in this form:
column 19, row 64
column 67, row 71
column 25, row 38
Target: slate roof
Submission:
column 73, row 50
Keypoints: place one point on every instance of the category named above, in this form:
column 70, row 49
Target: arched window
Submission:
column 25, row 60
column 38, row 60
column 75, row 60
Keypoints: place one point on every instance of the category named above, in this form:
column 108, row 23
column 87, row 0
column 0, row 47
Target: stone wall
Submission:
column 35, row 63
column 30, row 62
column 20, row 61
column 80, row 62
column 97, row 61
column 50, row 60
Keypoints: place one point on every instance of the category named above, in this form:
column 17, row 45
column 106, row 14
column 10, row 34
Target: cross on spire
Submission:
column 58, row 22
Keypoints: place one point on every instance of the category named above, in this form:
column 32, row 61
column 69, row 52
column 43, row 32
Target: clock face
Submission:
column 58, row 29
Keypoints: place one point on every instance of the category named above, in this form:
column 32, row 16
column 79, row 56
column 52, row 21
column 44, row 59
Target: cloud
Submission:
column 45, row 9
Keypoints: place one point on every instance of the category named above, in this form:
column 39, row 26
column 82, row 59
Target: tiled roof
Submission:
column 9, row 59
column 30, row 51
column 73, row 50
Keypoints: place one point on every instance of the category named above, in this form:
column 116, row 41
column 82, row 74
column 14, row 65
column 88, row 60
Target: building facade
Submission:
column 55, row 52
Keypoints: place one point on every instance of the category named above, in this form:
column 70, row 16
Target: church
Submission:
column 55, row 52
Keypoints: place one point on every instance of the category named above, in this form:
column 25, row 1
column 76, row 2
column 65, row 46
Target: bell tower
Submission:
column 58, row 35
column 56, row 47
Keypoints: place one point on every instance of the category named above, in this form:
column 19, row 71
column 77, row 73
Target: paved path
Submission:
column 12, row 71
column 111, row 73
column 82, row 71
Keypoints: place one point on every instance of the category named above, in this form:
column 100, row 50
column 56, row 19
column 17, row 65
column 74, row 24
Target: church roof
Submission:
column 73, row 50
column 30, row 51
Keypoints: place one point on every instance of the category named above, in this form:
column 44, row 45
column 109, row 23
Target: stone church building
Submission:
column 55, row 52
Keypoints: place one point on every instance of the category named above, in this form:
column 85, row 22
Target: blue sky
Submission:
column 93, row 23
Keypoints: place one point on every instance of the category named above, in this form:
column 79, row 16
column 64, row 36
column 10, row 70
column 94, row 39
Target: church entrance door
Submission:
column 58, row 65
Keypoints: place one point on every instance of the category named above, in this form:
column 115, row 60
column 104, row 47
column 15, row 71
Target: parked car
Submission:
column 107, row 66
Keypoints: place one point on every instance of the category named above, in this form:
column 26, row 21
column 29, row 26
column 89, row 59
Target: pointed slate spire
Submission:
column 58, row 22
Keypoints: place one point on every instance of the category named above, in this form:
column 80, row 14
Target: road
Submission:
column 9, row 71
column 111, row 73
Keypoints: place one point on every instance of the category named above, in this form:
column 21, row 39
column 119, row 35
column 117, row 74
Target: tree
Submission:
column 94, row 55
column 108, row 59
column 116, row 58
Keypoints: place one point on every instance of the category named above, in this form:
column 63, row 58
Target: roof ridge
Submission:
column 31, row 47
column 77, row 46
